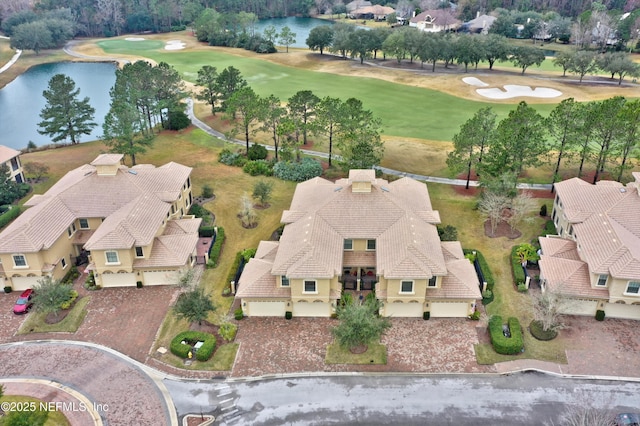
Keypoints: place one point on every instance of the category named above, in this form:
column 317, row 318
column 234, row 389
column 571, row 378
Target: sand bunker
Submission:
column 174, row 45
column 511, row 90
column 134, row 38
column 472, row 81
column 514, row 91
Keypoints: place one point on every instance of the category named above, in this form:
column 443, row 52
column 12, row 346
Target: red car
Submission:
column 24, row 302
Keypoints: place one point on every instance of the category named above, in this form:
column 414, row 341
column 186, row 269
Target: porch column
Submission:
column 357, row 284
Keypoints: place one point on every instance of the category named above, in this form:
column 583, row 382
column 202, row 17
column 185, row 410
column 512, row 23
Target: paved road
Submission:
column 519, row 399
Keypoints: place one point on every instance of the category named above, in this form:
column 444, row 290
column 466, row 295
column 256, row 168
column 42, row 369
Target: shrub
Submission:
column 191, row 337
column 207, row 191
column 234, row 267
column 537, row 331
column 600, row 315
column 346, row 299
column 217, row 248
column 178, row 120
column 139, row 284
column 238, row 314
column 257, row 152
column 426, row 315
column 522, row 287
column 197, row 210
column 232, row 158
column 484, row 267
column 8, row 289
column 487, row 294
column 247, row 254
column 288, row 315
column 447, row 233
column 90, row 283
column 9, row 215
column 543, row 210
column 306, row 169
column 475, row 316
column 506, row 345
column 550, row 228
column 206, row 231
column 258, row 167
column 228, row 331
column 516, row 267
column 73, row 296
column 71, row 275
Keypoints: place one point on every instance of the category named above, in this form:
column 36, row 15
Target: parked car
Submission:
column 24, row 302
column 627, row 419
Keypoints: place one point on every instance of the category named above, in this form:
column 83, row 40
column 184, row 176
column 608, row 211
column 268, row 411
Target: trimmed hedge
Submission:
column 217, row 247
column 9, row 215
column 306, row 169
column 506, row 345
column 549, row 228
column 486, row 271
column 516, row 267
column 202, row 354
column 206, row 231
column 600, row 315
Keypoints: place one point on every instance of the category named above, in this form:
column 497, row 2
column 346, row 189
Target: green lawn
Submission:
column 55, row 417
column 376, row 354
column 35, row 323
column 121, row 46
column 404, row 110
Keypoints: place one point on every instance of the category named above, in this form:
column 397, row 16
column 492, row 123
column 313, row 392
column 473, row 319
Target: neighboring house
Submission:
column 436, row 20
column 377, row 12
column 129, row 222
column 480, row 24
column 356, row 4
column 595, row 260
column 11, row 158
column 359, row 233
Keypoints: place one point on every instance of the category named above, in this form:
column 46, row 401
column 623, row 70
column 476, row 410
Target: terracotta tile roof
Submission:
column 559, row 247
column 81, row 193
column 107, row 159
column 173, row 248
column 366, row 259
column 461, row 280
column 569, row 277
column 442, row 17
column 606, row 223
column 7, row 153
column 267, row 250
column 257, row 281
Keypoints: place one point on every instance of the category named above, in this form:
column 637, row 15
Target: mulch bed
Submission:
column 502, row 230
column 51, row 318
column 207, row 327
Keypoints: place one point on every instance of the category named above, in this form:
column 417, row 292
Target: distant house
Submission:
column 377, row 12
column 11, row 158
column 596, row 259
column 130, row 223
column 435, row 21
column 359, row 234
column 480, row 24
column 357, row 4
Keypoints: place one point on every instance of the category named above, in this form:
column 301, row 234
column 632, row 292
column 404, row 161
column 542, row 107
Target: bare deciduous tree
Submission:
column 548, row 307
column 491, row 206
column 587, row 409
column 247, row 213
column 521, row 205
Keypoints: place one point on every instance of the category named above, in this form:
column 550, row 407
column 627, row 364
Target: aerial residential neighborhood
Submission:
column 327, row 212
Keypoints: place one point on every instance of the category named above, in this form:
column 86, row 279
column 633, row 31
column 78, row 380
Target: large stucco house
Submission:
column 595, row 259
column 11, row 158
column 359, row 234
column 435, row 21
column 131, row 223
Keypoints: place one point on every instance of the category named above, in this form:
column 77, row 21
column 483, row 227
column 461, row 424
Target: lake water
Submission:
column 21, row 100
column 299, row 26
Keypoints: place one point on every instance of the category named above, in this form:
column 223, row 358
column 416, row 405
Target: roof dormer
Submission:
column 107, row 164
column 361, row 180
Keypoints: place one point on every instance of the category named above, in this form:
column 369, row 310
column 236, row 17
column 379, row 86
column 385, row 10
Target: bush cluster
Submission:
column 206, row 231
column 238, row 314
column 257, row 152
column 216, row 248
column 306, row 169
column 486, row 272
column 258, row 167
column 245, row 254
column 228, row 331
column 600, row 315
column 191, row 337
column 90, row 283
column 549, row 228
column 198, row 211
column 73, row 296
column 70, row 276
column 506, row 345
column 9, row 215
column 255, row 43
column 231, row 158
column 516, row 267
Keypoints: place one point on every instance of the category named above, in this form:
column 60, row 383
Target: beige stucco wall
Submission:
column 617, row 288
column 419, row 290
column 125, row 258
column 323, row 287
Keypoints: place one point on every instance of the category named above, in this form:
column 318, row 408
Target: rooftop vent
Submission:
column 384, row 188
column 133, row 172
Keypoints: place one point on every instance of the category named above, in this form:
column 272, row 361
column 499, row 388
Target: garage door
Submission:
column 399, row 309
column 311, row 309
column 160, row 277
column 580, row 307
column 619, row 310
column 119, row 280
column 265, row 309
column 449, row 309
column 23, row 283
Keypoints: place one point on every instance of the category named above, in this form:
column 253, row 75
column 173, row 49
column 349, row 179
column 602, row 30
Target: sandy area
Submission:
column 134, row 38
column 516, row 90
column 174, row 45
column 473, row 81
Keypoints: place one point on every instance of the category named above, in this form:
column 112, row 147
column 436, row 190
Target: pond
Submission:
column 300, row 26
column 21, row 100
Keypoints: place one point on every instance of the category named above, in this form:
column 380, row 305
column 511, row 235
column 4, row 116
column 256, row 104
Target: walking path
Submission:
column 12, row 60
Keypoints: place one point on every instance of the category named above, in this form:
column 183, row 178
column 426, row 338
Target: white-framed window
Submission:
column 71, row 229
column 112, row 256
column 310, row 286
column 433, row 281
column 284, row 281
column 84, row 223
column 371, row 244
column 20, row 261
column 348, row 244
column 602, row 280
column 139, row 251
column 633, row 287
column 63, row 262
column 406, row 286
